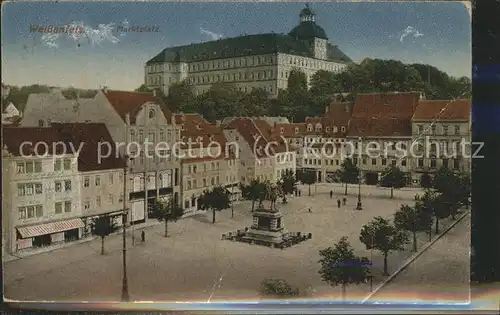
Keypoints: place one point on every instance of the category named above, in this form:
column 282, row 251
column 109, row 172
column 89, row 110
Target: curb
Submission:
column 413, row 257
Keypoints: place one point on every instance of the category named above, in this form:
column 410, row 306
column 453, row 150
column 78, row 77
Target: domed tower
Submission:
column 311, row 33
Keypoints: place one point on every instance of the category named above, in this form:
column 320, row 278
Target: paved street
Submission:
column 441, row 273
column 194, row 264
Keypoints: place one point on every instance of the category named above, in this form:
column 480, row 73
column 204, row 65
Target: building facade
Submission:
column 41, row 188
column 248, row 62
column 139, row 124
column 441, row 133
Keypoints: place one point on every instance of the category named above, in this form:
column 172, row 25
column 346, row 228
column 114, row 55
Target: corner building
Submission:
column 248, row 62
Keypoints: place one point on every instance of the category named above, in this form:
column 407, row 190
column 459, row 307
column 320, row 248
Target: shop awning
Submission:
column 50, row 228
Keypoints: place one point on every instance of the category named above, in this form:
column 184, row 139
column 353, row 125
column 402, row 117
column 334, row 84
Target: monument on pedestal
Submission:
column 267, row 228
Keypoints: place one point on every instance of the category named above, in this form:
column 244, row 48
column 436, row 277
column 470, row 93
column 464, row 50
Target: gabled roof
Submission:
column 195, row 126
column 443, row 110
column 383, row 114
column 247, row 45
column 258, row 134
column 87, row 134
column 131, row 102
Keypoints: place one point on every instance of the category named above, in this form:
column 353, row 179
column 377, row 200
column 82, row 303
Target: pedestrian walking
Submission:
column 344, row 201
column 338, row 203
column 310, row 210
column 331, row 194
column 300, row 193
column 143, row 236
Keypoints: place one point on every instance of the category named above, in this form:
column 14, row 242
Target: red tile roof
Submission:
column 259, row 135
column 383, row 114
column 195, row 126
column 131, row 102
column 443, row 110
column 289, row 130
column 87, row 134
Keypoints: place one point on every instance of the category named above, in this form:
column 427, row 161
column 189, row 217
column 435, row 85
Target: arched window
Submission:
column 151, row 113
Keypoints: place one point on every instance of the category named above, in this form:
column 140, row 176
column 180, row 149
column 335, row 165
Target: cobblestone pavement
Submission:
column 441, row 273
column 195, row 264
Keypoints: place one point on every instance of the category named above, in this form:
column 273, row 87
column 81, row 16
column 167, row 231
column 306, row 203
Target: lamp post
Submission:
column 359, row 206
column 125, row 294
column 371, row 262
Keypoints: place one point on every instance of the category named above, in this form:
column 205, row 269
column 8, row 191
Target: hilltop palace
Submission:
column 249, row 61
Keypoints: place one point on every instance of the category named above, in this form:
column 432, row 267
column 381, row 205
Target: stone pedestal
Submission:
column 267, row 226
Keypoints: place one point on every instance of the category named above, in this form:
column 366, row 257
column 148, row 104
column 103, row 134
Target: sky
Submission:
column 436, row 33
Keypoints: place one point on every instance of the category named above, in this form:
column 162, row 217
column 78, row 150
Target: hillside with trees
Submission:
column 297, row 101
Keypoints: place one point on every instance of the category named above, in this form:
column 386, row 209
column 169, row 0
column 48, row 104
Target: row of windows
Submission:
column 315, row 64
column 364, row 161
column 29, row 212
column 97, row 180
column 192, row 184
column 319, row 128
column 444, row 162
column 268, row 88
column 30, row 189
column 206, row 166
column 445, row 130
column 139, row 135
column 29, row 167
column 59, row 206
column 238, row 76
column 111, row 200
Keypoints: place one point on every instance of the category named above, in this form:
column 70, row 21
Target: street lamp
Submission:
column 371, row 261
column 125, row 294
column 359, row 206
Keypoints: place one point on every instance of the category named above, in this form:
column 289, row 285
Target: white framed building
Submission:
column 248, row 62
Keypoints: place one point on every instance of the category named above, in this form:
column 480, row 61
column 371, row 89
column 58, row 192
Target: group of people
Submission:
column 339, row 203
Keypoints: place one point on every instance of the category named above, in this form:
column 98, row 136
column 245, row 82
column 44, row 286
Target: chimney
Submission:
column 127, row 119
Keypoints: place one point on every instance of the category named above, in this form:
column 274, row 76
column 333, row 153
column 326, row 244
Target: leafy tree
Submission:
column 256, row 103
column 309, row 178
column 288, row 183
column 348, row 174
column 447, row 184
column 434, row 203
column 325, row 83
column 380, row 235
column 425, row 180
column 339, row 266
column 103, row 226
column 216, row 199
column 412, row 219
column 143, row 88
column 167, row 211
column 392, row 177
column 297, row 81
column 254, row 192
column 465, row 189
column 181, row 97
column 278, row 287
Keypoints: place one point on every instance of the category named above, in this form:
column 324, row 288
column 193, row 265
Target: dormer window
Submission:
column 327, row 129
column 41, row 123
column 342, row 129
column 296, row 130
column 198, row 127
column 151, row 113
column 282, row 130
column 182, row 127
column 309, row 127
